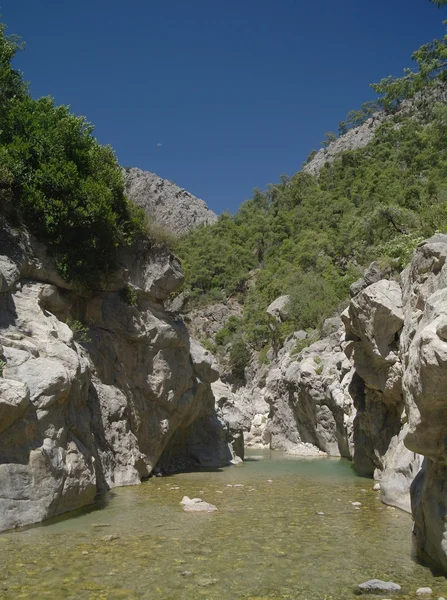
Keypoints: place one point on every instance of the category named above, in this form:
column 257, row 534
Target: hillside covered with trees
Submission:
column 309, row 236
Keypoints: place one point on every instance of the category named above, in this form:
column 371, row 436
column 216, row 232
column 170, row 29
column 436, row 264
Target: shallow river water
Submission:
column 265, row 541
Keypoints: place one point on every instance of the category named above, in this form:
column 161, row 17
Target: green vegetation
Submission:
column 59, row 182
column 2, row 366
column 80, row 331
column 310, row 237
column 129, row 295
column 239, row 358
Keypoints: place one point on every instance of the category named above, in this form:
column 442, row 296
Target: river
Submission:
column 266, row 541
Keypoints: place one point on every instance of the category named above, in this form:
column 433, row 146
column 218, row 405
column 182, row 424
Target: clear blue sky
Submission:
column 235, row 91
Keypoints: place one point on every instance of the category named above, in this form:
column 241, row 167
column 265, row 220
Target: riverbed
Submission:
column 266, row 541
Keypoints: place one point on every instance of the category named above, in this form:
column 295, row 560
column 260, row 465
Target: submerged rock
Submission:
column 197, row 505
column 377, row 586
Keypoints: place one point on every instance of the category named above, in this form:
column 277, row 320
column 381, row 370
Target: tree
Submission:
column 431, row 61
column 329, row 137
column 358, row 117
column 59, row 182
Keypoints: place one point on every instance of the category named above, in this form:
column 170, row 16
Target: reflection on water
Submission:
column 265, row 541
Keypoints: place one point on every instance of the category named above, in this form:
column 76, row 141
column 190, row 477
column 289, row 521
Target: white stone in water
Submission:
column 238, row 485
column 229, row 485
column 321, row 514
column 376, row 487
column 424, row 591
column 197, row 505
column 269, row 480
column 377, row 585
column 356, row 503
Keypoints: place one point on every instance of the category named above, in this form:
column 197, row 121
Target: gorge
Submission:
column 250, row 405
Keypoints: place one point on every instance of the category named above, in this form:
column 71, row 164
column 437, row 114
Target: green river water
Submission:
column 265, row 541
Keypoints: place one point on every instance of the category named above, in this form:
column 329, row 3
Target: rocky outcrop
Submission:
column 385, row 407
column 95, row 392
column 373, row 324
column 204, row 323
column 424, row 354
column 302, row 399
column 342, row 395
column 167, row 205
column 360, row 136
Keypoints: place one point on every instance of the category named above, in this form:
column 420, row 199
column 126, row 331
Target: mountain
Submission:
column 166, row 204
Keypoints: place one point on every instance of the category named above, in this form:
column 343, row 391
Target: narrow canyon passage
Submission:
column 265, row 541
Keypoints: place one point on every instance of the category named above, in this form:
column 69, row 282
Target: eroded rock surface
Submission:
column 424, row 353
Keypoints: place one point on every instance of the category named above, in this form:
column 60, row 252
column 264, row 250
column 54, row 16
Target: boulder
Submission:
column 197, row 505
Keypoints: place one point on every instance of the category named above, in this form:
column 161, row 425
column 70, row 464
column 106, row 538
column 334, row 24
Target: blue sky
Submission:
column 220, row 96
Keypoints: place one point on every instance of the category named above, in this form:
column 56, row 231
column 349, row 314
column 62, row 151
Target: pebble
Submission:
column 424, row 591
column 84, row 552
column 110, row 538
column 356, row 503
column 321, row 514
column 206, row 581
column 219, row 492
column 376, row 487
column 269, row 480
column 186, row 573
column 229, row 485
column 238, row 485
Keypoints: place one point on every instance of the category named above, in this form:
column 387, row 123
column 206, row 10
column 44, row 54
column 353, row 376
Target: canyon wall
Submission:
column 95, row 392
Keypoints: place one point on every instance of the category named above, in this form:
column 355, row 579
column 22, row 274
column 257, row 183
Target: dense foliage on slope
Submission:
column 59, row 182
column 309, row 236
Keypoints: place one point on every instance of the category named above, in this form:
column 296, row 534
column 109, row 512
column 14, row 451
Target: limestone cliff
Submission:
column 167, row 205
column 95, row 392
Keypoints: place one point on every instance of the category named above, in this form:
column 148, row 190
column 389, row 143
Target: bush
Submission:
column 60, row 183
column 129, row 295
column 239, row 358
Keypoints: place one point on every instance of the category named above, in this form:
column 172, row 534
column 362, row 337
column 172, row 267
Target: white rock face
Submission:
column 78, row 418
column 357, row 137
column 301, row 403
column 167, row 205
column 424, row 352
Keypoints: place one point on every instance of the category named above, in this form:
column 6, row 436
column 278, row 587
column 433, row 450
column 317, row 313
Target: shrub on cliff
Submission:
column 59, row 182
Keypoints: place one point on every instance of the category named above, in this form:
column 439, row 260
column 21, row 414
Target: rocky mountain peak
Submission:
column 166, row 204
